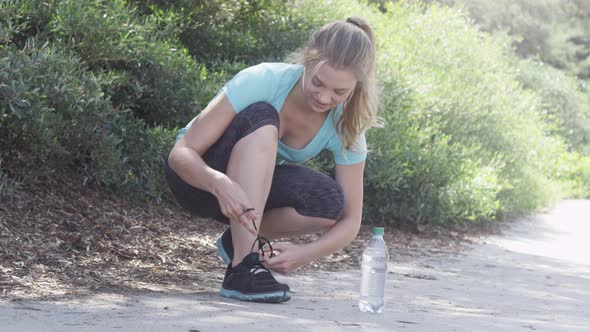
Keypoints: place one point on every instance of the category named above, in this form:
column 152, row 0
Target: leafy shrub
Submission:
column 51, row 110
column 414, row 175
column 463, row 141
column 131, row 160
column 10, row 24
column 146, row 70
column 54, row 118
column 24, row 19
column 566, row 101
column 242, row 31
column 467, row 89
column 554, row 30
column 575, row 173
column 8, row 184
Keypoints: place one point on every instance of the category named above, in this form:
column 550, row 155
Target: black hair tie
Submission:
column 353, row 21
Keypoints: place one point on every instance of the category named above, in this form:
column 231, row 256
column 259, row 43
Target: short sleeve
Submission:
column 249, row 86
column 355, row 155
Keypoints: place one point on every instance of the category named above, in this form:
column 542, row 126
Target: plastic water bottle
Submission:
column 373, row 273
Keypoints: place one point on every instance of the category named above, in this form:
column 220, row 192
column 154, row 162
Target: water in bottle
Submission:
column 373, row 273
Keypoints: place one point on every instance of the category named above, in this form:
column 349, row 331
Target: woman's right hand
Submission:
column 235, row 204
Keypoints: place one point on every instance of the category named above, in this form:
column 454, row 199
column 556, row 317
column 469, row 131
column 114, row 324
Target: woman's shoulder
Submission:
column 268, row 76
column 272, row 68
column 266, row 81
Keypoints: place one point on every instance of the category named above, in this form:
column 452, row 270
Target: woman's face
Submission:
column 327, row 87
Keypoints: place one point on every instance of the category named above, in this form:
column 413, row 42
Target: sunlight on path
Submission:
column 562, row 234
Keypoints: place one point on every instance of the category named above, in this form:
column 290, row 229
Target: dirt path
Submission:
column 536, row 276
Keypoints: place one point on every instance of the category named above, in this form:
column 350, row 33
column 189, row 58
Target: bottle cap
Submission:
column 378, row 231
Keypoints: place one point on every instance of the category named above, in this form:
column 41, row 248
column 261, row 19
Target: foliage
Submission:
column 555, row 30
column 576, row 173
column 99, row 88
column 565, row 101
column 131, row 160
column 472, row 138
column 8, row 185
column 51, row 110
column 55, row 119
column 415, row 176
column 238, row 31
column 146, row 69
column 24, row 19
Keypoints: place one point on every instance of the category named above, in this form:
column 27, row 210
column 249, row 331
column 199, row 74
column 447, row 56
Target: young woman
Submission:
column 228, row 163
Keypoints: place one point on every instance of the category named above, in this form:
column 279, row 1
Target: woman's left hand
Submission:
column 288, row 257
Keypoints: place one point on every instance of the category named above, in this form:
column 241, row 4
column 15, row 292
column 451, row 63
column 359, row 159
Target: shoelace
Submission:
column 262, row 241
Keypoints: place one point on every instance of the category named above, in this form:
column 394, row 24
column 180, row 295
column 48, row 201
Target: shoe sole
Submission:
column 221, row 252
column 274, row 297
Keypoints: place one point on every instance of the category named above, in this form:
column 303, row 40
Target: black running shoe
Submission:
column 250, row 281
column 225, row 247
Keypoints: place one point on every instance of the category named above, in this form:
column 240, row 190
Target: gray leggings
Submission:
column 310, row 192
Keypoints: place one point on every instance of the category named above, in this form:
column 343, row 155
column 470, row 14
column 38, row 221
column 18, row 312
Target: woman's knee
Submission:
column 256, row 117
column 259, row 115
column 260, row 122
column 325, row 200
column 325, row 209
column 333, row 201
column 310, row 192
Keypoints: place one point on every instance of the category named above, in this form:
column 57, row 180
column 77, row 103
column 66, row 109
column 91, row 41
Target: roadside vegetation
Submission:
column 479, row 124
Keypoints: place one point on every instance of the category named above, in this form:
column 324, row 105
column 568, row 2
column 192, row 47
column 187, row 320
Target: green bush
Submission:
column 554, row 30
column 471, row 133
column 242, row 31
column 145, row 70
column 131, row 160
column 575, row 173
column 566, row 101
column 21, row 20
column 464, row 140
column 55, row 119
column 8, row 185
column 10, row 24
column 415, row 175
column 467, row 88
column 51, row 111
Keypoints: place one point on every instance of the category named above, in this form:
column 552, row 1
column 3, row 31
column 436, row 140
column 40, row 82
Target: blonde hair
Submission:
column 347, row 45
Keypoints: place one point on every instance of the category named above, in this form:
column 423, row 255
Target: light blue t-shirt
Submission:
column 271, row 83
